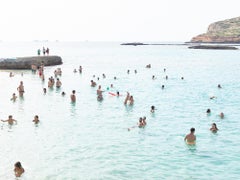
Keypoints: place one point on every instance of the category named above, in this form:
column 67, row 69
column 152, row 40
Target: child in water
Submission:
column 18, row 169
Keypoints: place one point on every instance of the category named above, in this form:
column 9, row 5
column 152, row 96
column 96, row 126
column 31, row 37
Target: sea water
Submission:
column 90, row 139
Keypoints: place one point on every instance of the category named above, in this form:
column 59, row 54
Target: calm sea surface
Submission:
column 90, row 140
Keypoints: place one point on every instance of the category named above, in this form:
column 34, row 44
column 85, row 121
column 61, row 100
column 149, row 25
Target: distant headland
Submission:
column 27, row 62
column 227, row 31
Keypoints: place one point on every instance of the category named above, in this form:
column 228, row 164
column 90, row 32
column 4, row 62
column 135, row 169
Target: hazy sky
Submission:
column 111, row 20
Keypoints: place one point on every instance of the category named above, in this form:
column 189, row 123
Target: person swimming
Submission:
column 36, row 119
column 18, row 169
column 221, row 115
column 208, row 111
column 14, row 97
column 152, row 109
column 63, row 93
column 214, row 128
column 219, row 86
column 44, row 90
column 190, row 138
column 10, row 120
column 93, row 84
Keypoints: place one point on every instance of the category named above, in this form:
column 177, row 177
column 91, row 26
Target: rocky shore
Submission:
column 27, row 62
column 227, row 31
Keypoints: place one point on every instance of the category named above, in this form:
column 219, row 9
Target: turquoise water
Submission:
column 90, row 140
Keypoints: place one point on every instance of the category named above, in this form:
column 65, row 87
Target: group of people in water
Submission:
column 128, row 101
column 191, row 137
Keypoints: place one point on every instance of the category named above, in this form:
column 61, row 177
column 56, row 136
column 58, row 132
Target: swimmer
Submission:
column 162, row 86
column 144, row 121
column 182, row 78
column 93, row 84
column 73, row 97
column 214, row 128
column 36, row 120
column 80, row 69
column 148, row 66
column 14, row 97
column 135, row 71
column 128, row 71
column 115, row 78
column 10, row 120
column 58, row 83
column 127, row 98
column 153, row 77
column 44, row 90
column 74, row 70
column 11, row 74
column 164, row 70
column 152, row 109
column 104, row 76
column 221, row 115
column 190, row 138
column 111, row 85
column 208, row 111
column 131, row 100
column 219, row 86
column 140, row 124
column 118, row 94
column 63, row 93
column 50, row 82
column 213, row 97
column 166, row 77
column 99, row 91
column 18, row 169
column 21, row 89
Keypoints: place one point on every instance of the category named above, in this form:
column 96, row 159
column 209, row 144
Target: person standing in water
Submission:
column 190, row 138
column 18, row 169
column 73, row 96
column 58, row 83
column 20, row 89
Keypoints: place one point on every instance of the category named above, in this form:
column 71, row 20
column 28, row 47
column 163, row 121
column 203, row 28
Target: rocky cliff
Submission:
column 227, row 31
column 27, row 62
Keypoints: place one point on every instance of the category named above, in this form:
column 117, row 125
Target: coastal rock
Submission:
column 27, row 62
column 227, row 31
column 134, row 44
column 213, row 47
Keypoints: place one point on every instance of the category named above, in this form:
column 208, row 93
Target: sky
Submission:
column 111, row 20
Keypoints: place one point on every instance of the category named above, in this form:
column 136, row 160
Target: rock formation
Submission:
column 227, row 31
column 27, row 62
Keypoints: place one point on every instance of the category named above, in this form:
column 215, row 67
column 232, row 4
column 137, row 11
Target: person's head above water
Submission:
column 192, row 130
column 208, row 110
column 18, row 165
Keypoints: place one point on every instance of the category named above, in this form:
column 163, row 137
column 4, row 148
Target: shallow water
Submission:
column 90, row 140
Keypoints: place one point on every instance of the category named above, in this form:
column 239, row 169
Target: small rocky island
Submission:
column 215, row 47
column 227, row 31
column 27, row 62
